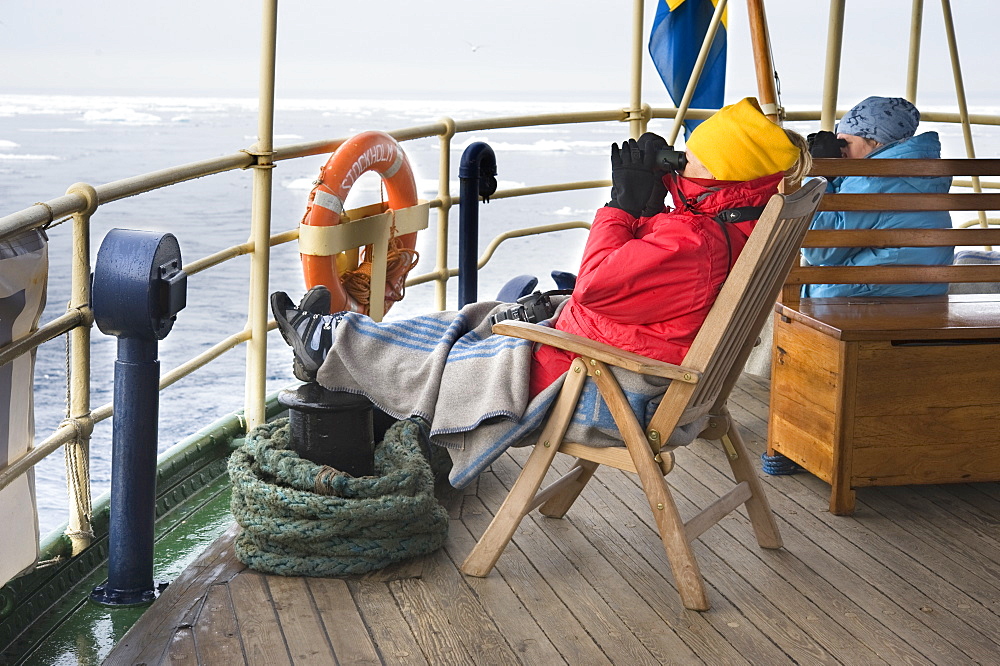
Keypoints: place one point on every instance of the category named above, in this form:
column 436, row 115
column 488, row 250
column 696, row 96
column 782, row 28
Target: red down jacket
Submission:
column 646, row 285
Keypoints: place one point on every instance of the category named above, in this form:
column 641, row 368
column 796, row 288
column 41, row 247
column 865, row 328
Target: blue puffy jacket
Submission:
column 922, row 146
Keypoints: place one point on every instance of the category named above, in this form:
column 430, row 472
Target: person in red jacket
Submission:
column 650, row 274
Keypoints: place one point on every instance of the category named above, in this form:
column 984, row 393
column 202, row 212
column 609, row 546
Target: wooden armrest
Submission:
column 598, row 350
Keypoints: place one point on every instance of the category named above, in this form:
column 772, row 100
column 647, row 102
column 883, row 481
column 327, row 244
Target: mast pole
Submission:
column 913, row 64
column 831, row 77
column 767, row 90
column 260, row 226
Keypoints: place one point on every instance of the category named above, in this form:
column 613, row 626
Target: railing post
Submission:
column 963, row 108
column 77, row 451
column 831, row 76
column 637, row 123
column 477, row 177
column 139, row 287
column 260, row 233
column 444, row 194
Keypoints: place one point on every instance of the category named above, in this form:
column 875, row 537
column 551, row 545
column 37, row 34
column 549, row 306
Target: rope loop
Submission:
column 303, row 519
column 400, row 260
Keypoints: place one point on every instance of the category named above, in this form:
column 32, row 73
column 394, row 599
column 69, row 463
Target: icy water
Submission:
column 49, row 143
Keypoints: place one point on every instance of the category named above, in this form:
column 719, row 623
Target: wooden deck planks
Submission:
column 215, row 630
column 584, row 601
column 837, row 620
column 516, row 571
column 761, row 615
column 601, row 568
column 299, row 620
column 389, row 631
column 260, row 630
column 912, row 578
column 519, row 630
column 177, row 606
column 342, row 622
column 899, row 601
column 849, row 569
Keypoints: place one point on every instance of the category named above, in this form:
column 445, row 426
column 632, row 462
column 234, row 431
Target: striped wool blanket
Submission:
column 471, row 386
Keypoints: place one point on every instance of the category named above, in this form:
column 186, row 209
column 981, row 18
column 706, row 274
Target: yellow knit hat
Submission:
column 738, row 142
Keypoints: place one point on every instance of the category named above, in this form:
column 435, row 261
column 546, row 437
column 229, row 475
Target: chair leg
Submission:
column 687, row 573
column 680, row 555
column 765, row 527
column 559, row 504
column 517, row 504
column 520, row 499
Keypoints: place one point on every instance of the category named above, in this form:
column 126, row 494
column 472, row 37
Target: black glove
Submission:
column 632, row 177
column 652, row 144
column 825, row 144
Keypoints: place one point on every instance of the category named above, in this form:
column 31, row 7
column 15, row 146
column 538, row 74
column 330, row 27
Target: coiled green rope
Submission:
column 304, row 519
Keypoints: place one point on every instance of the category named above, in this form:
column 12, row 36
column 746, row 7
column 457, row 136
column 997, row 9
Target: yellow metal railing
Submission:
column 81, row 201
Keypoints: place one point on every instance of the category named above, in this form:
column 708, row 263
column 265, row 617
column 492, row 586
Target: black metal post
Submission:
column 477, row 177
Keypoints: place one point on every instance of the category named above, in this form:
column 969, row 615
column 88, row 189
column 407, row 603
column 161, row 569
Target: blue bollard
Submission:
column 477, row 177
column 138, row 290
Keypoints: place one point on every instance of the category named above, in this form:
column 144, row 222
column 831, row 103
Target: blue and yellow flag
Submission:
column 678, row 30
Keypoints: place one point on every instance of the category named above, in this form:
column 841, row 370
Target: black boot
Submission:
column 307, row 328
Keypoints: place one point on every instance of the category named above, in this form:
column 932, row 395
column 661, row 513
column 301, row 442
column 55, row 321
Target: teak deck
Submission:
column 911, row 577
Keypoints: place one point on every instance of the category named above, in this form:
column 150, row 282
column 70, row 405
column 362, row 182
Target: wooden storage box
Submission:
column 888, row 391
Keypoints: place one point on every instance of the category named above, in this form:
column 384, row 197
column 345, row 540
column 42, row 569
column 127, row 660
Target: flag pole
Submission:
column 699, row 65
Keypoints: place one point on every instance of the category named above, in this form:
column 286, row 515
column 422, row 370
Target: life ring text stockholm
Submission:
column 368, row 151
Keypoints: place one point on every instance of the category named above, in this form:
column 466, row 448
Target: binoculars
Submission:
column 669, row 159
column 533, row 308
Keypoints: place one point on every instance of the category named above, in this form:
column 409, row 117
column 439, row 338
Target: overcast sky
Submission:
column 455, row 47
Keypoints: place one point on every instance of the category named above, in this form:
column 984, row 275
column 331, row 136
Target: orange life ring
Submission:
column 368, row 151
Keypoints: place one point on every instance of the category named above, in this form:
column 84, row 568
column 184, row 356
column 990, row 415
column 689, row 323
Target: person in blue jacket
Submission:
column 879, row 128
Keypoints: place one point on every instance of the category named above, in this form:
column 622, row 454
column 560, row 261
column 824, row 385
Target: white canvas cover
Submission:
column 23, row 275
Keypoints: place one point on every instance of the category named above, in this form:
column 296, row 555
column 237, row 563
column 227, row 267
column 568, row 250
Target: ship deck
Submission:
column 912, row 577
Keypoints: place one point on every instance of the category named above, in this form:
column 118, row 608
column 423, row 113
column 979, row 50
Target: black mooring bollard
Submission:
column 138, row 290
column 331, row 428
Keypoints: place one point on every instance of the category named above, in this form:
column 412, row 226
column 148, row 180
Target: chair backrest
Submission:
column 747, row 298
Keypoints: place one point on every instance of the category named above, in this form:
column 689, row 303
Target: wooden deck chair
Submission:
column 699, row 386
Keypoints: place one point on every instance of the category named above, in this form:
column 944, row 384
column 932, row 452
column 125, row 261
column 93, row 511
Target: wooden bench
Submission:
column 890, row 391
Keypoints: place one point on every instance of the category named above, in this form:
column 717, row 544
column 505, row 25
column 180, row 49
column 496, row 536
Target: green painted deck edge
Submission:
column 29, row 604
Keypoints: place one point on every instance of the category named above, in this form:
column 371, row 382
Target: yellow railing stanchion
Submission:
column 636, row 123
column 444, row 195
column 77, row 450
column 260, row 233
column 831, row 75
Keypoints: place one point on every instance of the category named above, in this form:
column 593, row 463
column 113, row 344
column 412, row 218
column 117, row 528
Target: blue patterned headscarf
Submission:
column 884, row 119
